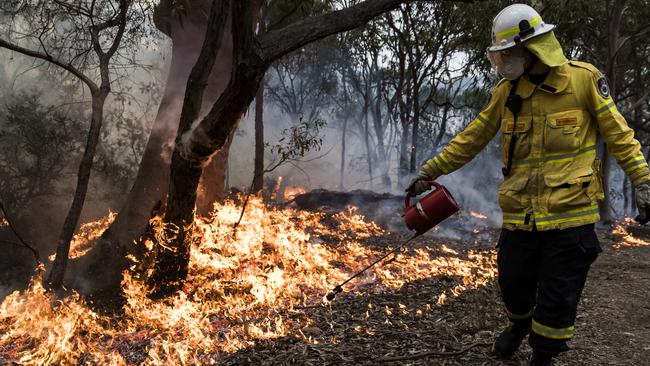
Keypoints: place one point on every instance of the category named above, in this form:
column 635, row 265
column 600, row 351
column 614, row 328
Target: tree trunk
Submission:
column 342, row 169
column 614, row 25
column 382, row 160
column 212, row 186
column 258, row 175
column 366, row 134
column 172, row 260
column 55, row 279
column 194, row 146
column 404, row 157
column 151, row 183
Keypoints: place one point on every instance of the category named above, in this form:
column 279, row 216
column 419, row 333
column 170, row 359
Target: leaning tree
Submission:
column 90, row 41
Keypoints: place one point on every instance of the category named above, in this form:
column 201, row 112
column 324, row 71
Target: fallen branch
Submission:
column 37, row 257
column 431, row 353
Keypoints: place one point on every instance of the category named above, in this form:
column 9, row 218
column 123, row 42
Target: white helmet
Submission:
column 515, row 24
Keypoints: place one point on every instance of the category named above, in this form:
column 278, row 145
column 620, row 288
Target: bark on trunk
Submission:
column 212, row 186
column 55, row 278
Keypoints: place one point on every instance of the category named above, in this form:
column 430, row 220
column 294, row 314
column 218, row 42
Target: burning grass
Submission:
column 627, row 239
column 244, row 286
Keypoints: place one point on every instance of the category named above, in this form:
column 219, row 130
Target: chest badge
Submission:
column 567, row 121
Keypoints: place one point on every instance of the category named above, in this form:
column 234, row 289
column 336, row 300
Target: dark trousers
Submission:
column 541, row 276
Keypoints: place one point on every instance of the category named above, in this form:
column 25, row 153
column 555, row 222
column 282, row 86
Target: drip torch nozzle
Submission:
column 332, row 294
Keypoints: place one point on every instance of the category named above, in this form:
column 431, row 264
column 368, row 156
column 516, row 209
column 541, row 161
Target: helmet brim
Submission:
column 547, row 28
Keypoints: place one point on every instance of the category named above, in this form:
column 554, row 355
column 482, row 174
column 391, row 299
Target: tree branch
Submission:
column 37, row 256
column 66, row 66
column 124, row 7
column 277, row 43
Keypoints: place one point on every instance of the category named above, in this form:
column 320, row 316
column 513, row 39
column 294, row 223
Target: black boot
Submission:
column 541, row 359
column 510, row 339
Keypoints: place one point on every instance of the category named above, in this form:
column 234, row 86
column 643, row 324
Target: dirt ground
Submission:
column 613, row 325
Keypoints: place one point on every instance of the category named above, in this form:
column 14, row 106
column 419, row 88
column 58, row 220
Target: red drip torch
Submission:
column 428, row 212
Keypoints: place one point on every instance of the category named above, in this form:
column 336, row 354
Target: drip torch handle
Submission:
column 409, row 195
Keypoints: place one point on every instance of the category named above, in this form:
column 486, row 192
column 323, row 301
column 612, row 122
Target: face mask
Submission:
column 509, row 63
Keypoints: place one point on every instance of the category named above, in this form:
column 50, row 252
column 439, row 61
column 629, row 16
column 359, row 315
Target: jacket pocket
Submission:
column 595, row 190
column 569, row 190
column 561, row 131
column 511, row 197
column 523, row 132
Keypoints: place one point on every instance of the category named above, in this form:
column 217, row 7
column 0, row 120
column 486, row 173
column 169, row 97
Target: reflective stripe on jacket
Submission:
column 555, row 181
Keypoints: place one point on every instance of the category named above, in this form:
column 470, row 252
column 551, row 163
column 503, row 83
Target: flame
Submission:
column 627, row 239
column 291, row 192
column 83, row 240
column 478, row 215
column 241, row 288
column 4, row 222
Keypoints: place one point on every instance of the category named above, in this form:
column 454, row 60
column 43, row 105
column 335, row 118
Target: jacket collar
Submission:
column 556, row 82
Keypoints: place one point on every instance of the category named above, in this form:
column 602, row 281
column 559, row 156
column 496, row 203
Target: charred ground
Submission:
column 613, row 325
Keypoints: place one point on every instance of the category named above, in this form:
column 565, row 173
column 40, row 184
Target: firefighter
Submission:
column 549, row 112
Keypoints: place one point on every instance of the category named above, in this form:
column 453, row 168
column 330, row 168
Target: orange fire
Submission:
column 291, row 192
column 627, row 239
column 240, row 289
column 478, row 215
column 83, row 241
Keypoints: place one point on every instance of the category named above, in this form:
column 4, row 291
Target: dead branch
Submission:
column 432, row 353
column 37, row 256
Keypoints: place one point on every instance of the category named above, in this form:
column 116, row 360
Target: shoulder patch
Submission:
column 603, row 87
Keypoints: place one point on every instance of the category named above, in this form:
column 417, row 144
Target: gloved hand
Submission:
column 420, row 183
column 642, row 195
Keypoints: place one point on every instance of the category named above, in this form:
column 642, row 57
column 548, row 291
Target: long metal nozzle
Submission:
column 339, row 288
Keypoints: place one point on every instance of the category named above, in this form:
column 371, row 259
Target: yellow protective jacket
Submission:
column 555, row 180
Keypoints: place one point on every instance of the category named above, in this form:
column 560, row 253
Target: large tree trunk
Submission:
column 172, row 260
column 212, row 186
column 151, row 182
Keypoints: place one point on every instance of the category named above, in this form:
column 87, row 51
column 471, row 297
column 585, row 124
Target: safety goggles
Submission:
column 509, row 63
